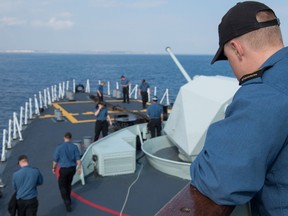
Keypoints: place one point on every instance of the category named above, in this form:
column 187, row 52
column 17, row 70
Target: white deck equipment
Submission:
column 199, row 103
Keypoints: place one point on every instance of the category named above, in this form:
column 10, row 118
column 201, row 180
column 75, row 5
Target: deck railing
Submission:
column 42, row 101
column 26, row 115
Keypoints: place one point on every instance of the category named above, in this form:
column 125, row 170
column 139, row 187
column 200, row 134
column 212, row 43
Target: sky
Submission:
column 128, row 26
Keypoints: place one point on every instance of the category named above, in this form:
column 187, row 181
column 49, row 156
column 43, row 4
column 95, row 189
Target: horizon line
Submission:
column 28, row 51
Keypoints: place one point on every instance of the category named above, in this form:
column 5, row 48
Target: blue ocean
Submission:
column 23, row 75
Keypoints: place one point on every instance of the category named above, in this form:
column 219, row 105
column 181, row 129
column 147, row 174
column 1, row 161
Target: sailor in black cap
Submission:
column 244, row 158
column 155, row 114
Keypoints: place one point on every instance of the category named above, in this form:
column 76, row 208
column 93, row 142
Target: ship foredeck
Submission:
column 150, row 189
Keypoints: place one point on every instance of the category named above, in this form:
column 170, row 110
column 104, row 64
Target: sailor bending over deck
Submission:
column 101, row 123
column 155, row 114
column 245, row 156
column 67, row 156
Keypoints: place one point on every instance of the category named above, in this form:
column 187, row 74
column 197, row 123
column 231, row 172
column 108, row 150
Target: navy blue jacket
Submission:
column 245, row 156
column 25, row 182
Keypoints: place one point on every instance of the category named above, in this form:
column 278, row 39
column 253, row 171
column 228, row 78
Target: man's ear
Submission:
column 237, row 48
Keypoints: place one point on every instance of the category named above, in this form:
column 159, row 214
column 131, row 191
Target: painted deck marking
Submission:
column 90, row 203
column 94, row 205
column 72, row 119
column 65, row 113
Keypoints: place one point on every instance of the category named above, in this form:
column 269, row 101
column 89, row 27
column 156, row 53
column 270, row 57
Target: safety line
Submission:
column 87, row 202
column 94, row 205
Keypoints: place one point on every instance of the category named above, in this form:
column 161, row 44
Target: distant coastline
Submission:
column 77, row 52
column 28, row 51
column 17, row 51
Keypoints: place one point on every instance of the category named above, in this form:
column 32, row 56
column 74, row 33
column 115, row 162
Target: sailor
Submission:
column 101, row 123
column 144, row 91
column 245, row 155
column 100, row 91
column 155, row 114
column 25, row 182
column 125, row 88
column 67, row 156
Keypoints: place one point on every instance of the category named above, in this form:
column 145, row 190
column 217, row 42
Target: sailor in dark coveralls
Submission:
column 25, row 182
column 67, row 155
column 144, row 90
column 101, row 122
column 125, row 88
column 155, row 114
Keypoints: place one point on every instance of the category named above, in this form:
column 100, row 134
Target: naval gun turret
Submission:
column 199, row 103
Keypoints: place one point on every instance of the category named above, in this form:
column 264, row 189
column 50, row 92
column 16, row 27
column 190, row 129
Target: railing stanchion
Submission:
column 3, row 154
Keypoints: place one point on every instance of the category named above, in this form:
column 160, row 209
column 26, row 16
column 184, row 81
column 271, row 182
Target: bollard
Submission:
column 118, row 94
column 70, row 96
column 58, row 115
column 114, row 94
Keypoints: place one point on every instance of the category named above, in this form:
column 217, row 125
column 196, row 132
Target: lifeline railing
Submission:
column 41, row 102
column 15, row 125
column 135, row 92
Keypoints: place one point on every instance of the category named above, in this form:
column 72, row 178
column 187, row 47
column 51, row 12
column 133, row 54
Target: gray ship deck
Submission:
column 100, row 195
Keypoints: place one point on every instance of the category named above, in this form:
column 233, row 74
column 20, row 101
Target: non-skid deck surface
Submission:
column 100, row 195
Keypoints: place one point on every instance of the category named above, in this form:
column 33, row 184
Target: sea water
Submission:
column 23, row 75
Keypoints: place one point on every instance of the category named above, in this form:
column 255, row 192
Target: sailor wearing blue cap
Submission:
column 155, row 114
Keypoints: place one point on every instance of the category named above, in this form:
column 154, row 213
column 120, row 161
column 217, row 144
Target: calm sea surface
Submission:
column 23, row 75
